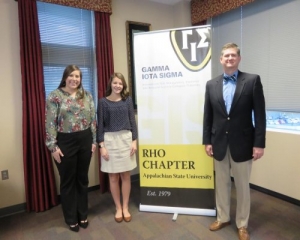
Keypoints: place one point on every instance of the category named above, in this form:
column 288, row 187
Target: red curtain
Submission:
column 39, row 177
column 105, row 67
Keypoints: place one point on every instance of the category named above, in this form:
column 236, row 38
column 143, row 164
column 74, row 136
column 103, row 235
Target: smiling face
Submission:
column 116, row 86
column 73, row 81
column 230, row 59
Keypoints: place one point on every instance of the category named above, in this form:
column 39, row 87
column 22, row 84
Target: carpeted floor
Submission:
column 271, row 219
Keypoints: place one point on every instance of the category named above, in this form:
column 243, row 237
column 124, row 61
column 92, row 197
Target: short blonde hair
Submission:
column 231, row 45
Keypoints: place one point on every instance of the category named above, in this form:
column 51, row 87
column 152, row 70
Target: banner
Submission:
column 171, row 71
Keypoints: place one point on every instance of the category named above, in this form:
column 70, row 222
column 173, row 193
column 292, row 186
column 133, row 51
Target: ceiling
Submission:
column 169, row 2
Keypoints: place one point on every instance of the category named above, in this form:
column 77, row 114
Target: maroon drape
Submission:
column 39, row 178
column 204, row 22
column 105, row 67
column 205, row 9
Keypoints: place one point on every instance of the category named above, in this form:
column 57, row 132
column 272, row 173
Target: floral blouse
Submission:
column 67, row 114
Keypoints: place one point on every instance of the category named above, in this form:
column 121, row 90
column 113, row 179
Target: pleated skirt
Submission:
column 118, row 146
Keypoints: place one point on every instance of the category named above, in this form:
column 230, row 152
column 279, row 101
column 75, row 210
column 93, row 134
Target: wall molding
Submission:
column 20, row 208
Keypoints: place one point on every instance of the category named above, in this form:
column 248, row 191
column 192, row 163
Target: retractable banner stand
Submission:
column 171, row 71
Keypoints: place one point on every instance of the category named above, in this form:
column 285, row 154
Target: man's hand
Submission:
column 209, row 150
column 257, row 153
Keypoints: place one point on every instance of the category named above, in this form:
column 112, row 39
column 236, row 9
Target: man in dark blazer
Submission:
column 234, row 129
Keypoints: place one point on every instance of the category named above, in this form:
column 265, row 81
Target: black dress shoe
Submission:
column 83, row 224
column 74, row 228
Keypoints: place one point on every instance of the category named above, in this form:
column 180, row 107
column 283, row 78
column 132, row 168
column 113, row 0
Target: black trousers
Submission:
column 73, row 171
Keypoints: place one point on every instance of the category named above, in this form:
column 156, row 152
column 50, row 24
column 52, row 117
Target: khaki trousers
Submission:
column 241, row 173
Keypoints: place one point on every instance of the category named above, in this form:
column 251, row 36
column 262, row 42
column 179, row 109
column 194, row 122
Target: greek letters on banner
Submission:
column 171, row 71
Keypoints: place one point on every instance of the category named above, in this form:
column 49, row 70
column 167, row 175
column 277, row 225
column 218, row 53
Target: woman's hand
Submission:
column 133, row 148
column 57, row 154
column 104, row 153
column 93, row 148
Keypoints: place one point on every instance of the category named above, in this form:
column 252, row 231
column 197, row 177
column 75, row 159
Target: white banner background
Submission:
column 170, row 98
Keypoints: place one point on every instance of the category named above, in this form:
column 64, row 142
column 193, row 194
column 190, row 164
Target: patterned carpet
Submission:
column 271, row 219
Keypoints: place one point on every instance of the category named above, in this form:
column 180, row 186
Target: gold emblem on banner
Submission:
column 192, row 47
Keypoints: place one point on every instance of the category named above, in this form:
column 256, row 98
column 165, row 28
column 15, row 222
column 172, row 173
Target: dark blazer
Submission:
column 235, row 129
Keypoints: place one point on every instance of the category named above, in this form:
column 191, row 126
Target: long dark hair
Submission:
column 68, row 70
column 124, row 93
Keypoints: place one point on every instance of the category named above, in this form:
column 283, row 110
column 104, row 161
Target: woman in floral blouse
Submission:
column 71, row 138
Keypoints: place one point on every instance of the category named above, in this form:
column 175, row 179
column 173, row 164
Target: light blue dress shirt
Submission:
column 229, row 87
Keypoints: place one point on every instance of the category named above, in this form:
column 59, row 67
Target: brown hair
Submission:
column 231, row 45
column 124, row 93
column 68, row 70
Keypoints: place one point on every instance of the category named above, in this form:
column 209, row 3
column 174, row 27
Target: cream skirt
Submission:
column 118, row 145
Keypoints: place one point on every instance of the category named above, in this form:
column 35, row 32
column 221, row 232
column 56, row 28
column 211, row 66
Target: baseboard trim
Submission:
column 276, row 194
column 94, row 188
column 19, row 208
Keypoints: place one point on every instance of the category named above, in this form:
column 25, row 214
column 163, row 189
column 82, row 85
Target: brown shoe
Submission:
column 217, row 225
column 118, row 219
column 243, row 234
column 127, row 219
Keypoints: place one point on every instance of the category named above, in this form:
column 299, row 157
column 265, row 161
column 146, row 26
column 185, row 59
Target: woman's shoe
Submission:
column 118, row 219
column 127, row 219
column 83, row 223
column 74, row 228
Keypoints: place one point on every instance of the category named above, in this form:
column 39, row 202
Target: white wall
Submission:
column 278, row 170
column 160, row 16
column 12, row 191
